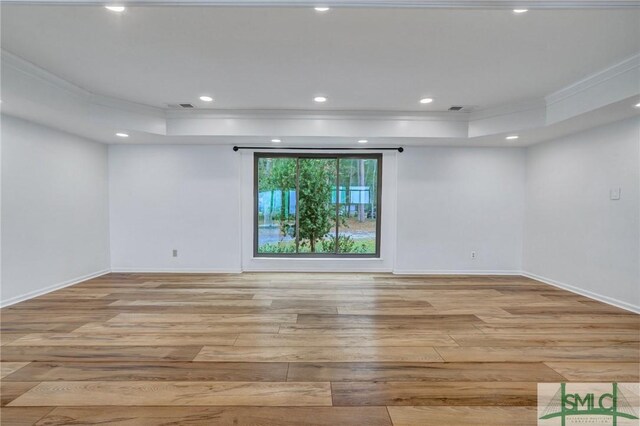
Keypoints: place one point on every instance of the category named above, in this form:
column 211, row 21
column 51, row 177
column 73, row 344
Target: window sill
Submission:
column 325, row 259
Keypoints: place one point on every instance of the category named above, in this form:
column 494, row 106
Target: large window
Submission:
column 317, row 205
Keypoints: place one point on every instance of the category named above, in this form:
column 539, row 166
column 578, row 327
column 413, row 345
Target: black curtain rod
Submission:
column 399, row 149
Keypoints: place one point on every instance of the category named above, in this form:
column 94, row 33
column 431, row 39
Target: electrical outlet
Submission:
column 175, row 253
column 474, row 255
column 614, row 193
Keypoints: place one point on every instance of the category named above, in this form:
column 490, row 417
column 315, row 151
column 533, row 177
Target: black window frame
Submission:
column 378, row 156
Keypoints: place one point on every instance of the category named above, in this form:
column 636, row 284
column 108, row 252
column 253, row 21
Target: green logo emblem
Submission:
column 612, row 402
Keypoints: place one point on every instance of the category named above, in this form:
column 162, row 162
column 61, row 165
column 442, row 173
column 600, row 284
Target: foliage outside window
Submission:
column 317, row 205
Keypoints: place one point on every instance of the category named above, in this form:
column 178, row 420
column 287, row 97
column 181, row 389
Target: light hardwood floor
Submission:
column 304, row 349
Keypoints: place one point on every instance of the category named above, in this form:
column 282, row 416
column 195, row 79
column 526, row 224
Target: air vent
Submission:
column 455, row 108
column 180, row 106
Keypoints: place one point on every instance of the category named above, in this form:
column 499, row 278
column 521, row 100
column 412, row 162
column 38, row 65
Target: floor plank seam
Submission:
column 389, row 415
column 439, row 354
column 454, row 339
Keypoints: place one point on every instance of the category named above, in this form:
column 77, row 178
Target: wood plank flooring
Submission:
column 303, row 349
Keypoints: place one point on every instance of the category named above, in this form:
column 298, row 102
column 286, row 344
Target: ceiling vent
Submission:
column 455, row 108
column 180, row 106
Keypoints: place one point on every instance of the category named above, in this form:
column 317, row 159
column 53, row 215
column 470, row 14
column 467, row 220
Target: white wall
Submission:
column 166, row 197
column 452, row 201
column 199, row 200
column 55, row 224
column 574, row 234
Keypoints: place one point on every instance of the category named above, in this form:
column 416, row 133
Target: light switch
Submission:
column 614, row 193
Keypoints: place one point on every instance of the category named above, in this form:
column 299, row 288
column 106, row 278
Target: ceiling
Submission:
column 280, row 58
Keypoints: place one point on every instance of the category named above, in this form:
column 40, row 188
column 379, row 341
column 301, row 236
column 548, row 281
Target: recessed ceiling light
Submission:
column 512, row 137
column 122, row 135
column 321, row 8
column 426, row 100
column 520, row 10
column 206, row 98
column 363, row 141
column 636, row 105
column 115, row 8
column 320, row 99
column 276, row 140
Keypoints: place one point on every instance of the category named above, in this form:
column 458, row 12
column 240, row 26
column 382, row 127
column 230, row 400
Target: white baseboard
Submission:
column 51, row 288
column 591, row 295
column 453, row 272
column 318, row 270
column 129, row 270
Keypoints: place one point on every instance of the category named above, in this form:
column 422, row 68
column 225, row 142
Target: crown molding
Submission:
column 25, row 67
column 593, row 80
column 600, row 77
column 28, row 68
column 433, row 4
column 119, row 104
column 497, row 111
